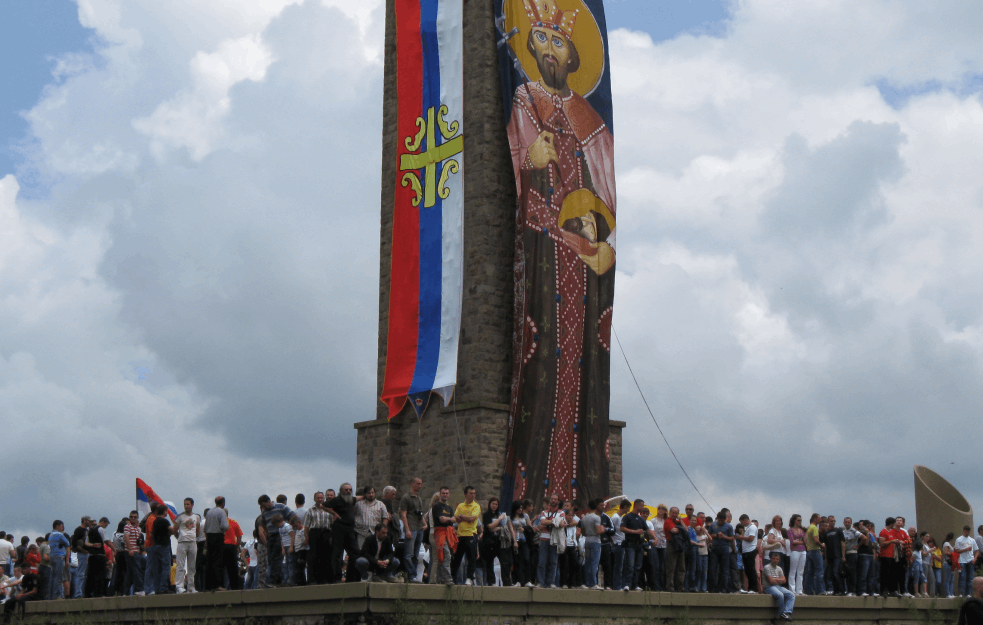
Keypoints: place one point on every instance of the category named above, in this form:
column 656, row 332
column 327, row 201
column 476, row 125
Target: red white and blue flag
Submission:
column 426, row 274
column 146, row 495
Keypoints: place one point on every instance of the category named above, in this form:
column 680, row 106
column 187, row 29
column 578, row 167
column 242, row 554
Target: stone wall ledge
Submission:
column 372, row 602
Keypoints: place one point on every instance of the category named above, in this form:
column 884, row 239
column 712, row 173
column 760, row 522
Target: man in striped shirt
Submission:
column 135, row 567
column 269, row 535
column 368, row 513
column 317, row 534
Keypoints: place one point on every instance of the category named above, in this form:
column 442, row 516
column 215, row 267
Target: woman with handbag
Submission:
column 934, row 557
column 521, row 524
column 659, row 546
column 497, row 527
column 947, row 569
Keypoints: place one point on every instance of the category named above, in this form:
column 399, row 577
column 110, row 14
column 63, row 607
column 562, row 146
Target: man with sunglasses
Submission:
column 135, row 565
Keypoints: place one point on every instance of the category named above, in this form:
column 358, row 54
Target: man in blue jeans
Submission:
column 136, row 562
column 82, row 556
column 157, row 577
column 772, row 577
column 59, row 544
column 550, row 518
column 965, row 546
column 411, row 512
column 815, row 569
column 634, row 528
column 591, row 527
column 617, row 545
column 722, row 534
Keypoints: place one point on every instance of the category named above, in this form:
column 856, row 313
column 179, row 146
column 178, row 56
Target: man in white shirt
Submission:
column 966, row 548
column 618, row 548
column 297, row 558
column 570, row 569
column 550, row 518
column 251, row 557
column 749, row 552
column 186, row 527
column 6, row 549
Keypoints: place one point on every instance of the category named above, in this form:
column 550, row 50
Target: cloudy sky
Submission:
column 189, row 232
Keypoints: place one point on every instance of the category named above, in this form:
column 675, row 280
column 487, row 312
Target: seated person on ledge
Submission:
column 377, row 556
column 773, row 577
column 20, row 591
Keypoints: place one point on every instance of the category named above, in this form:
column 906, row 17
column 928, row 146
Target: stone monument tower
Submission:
column 463, row 443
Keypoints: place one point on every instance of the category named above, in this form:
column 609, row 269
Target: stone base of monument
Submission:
column 417, row 604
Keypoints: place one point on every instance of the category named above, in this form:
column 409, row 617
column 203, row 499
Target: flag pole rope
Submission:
column 658, row 427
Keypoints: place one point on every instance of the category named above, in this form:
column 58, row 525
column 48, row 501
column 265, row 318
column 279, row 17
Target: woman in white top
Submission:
column 774, row 542
column 947, row 572
column 521, row 523
column 702, row 554
column 658, row 551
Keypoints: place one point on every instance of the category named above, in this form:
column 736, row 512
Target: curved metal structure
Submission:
column 939, row 507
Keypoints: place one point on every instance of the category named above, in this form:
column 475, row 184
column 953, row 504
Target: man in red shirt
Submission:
column 230, row 554
column 677, row 544
column 889, row 541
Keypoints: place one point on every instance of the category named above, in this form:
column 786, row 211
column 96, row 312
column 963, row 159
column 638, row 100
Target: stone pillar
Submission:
column 464, row 442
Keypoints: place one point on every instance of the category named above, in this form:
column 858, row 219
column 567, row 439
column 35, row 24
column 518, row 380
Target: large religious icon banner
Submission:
column 557, row 94
column 426, row 277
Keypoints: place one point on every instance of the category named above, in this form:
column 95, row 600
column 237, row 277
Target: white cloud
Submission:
column 193, row 119
column 797, row 260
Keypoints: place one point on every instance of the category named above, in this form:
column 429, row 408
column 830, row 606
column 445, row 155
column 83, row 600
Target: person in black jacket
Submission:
column 343, row 531
column 377, row 555
column 971, row 612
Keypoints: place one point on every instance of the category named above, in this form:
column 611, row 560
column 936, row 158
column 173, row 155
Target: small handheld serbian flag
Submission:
column 145, row 495
column 426, row 274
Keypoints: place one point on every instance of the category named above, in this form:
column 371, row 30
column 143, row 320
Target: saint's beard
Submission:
column 347, row 498
column 553, row 76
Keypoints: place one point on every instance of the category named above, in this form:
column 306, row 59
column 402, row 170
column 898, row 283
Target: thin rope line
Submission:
column 460, row 445
column 651, row 414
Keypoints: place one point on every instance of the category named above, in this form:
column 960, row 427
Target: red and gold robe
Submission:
column 558, row 427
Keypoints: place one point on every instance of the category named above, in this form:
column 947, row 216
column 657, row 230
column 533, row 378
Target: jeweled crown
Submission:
column 545, row 14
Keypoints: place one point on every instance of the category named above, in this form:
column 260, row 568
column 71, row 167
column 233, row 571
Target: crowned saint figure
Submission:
column 562, row 154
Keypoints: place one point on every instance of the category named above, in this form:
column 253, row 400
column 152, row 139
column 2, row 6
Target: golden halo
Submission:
column 581, row 202
column 586, row 38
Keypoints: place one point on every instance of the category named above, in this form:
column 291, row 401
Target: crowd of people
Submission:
column 348, row 536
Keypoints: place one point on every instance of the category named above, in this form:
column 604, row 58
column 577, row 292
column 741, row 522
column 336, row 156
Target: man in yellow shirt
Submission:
column 466, row 515
column 813, row 582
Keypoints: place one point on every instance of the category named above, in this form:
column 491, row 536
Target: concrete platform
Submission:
column 416, row 604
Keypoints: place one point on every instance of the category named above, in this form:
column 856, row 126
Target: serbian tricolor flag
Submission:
column 145, row 495
column 428, row 220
